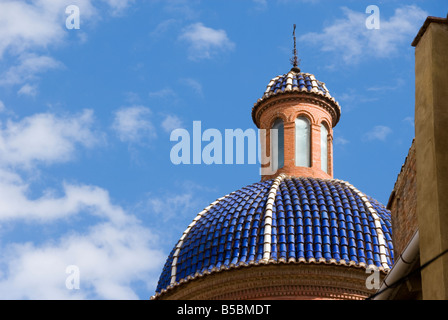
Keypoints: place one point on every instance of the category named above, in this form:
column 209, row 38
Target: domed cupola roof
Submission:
column 300, row 85
column 296, row 81
column 283, row 221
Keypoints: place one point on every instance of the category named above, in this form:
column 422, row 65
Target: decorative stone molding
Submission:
column 276, row 282
column 327, row 104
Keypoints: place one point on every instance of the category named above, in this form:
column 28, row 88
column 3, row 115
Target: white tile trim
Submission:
column 268, row 218
column 382, row 243
column 184, row 235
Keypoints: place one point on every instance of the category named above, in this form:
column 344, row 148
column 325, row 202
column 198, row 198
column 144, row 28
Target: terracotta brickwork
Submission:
column 289, row 108
column 277, row 282
column 403, row 204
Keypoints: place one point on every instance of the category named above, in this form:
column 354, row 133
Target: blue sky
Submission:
column 86, row 115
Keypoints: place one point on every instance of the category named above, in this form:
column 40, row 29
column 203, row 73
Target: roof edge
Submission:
column 297, row 94
column 425, row 26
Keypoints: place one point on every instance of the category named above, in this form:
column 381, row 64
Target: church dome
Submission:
column 293, row 83
column 287, row 220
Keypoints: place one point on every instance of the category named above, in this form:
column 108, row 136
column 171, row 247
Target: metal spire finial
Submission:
column 295, row 60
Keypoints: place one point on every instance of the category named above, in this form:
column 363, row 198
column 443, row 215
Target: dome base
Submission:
column 281, row 281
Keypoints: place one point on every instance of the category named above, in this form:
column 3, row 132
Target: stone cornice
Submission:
column 321, row 269
column 280, row 281
column 425, row 26
column 328, row 104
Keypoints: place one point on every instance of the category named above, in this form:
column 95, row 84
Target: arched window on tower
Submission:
column 303, row 142
column 277, row 145
column 324, row 147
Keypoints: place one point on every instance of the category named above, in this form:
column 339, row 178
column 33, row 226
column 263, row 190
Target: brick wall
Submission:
column 403, row 204
column 288, row 110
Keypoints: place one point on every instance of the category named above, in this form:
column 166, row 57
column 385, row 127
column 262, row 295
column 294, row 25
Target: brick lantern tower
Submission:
column 298, row 233
column 298, row 114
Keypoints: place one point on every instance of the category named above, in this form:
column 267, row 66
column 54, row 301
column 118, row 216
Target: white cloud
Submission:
column 398, row 83
column 112, row 251
column 341, row 141
column 27, row 69
column 195, row 85
column 45, row 138
column 118, row 6
column 163, row 27
column 351, row 40
column 28, row 90
column 36, row 24
column 183, row 198
column 28, row 27
column 378, row 133
column 132, row 124
column 409, row 120
column 2, row 107
column 170, row 206
column 183, row 9
column 292, row 1
column 205, row 42
column 171, row 123
column 16, row 204
column 163, row 93
column 261, row 4
column 110, row 259
column 112, row 255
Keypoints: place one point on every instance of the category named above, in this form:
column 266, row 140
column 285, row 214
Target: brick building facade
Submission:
column 403, row 204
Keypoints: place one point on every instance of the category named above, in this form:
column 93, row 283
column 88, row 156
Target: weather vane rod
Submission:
column 295, row 60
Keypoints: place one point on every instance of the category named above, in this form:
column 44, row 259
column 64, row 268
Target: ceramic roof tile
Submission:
column 309, row 220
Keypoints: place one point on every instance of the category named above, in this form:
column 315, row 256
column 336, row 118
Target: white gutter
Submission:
column 402, row 268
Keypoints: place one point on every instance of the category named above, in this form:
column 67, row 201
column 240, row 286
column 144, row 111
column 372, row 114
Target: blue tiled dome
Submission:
column 297, row 82
column 286, row 220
